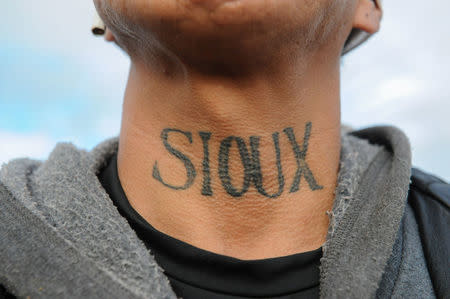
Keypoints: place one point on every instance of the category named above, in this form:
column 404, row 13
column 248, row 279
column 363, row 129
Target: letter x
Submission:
column 300, row 156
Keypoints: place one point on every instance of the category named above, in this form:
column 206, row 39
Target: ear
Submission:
column 368, row 15
column 109, row 36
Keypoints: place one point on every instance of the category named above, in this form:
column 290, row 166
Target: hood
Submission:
column 56, row 210
column 371, row 196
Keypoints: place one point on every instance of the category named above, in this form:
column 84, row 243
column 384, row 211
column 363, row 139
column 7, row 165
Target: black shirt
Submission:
column 198, row 273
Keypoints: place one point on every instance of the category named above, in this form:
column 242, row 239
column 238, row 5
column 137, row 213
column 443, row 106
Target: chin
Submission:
column 219, row 29
column 213, row 16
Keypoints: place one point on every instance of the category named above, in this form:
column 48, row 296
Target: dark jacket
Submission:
column 429, row 198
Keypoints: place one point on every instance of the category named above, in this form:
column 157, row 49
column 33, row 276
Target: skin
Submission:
column 230, row 136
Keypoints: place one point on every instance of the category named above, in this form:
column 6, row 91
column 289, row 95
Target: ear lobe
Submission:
column 109, row 36
column 368, row 16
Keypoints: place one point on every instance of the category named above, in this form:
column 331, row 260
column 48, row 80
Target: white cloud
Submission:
column 398, row 88
column 15, row 145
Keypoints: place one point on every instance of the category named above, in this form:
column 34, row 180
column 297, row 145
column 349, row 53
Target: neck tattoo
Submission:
column 250, row 158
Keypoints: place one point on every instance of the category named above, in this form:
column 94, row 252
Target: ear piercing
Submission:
column 98, row 27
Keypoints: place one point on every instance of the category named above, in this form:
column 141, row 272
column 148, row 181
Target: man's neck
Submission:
column 240, row 166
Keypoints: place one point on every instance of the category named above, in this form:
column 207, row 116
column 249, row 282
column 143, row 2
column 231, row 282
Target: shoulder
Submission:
column 429, row 198
column 430, row 188
column 14, row 176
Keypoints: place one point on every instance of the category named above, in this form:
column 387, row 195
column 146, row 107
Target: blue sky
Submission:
column 59, row 83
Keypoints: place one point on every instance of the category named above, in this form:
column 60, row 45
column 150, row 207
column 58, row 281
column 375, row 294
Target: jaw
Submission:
column 225, row 34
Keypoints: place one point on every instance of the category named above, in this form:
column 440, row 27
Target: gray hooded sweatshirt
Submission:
column 62, row 237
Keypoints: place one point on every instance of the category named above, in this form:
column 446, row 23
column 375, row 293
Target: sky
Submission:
column 58, row 83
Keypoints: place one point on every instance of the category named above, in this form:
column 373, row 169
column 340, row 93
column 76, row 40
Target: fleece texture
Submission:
column 66, row 238
column 62, row 237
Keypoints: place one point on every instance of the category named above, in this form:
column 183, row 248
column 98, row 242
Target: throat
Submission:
column 233, row 194
column 240, row 166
